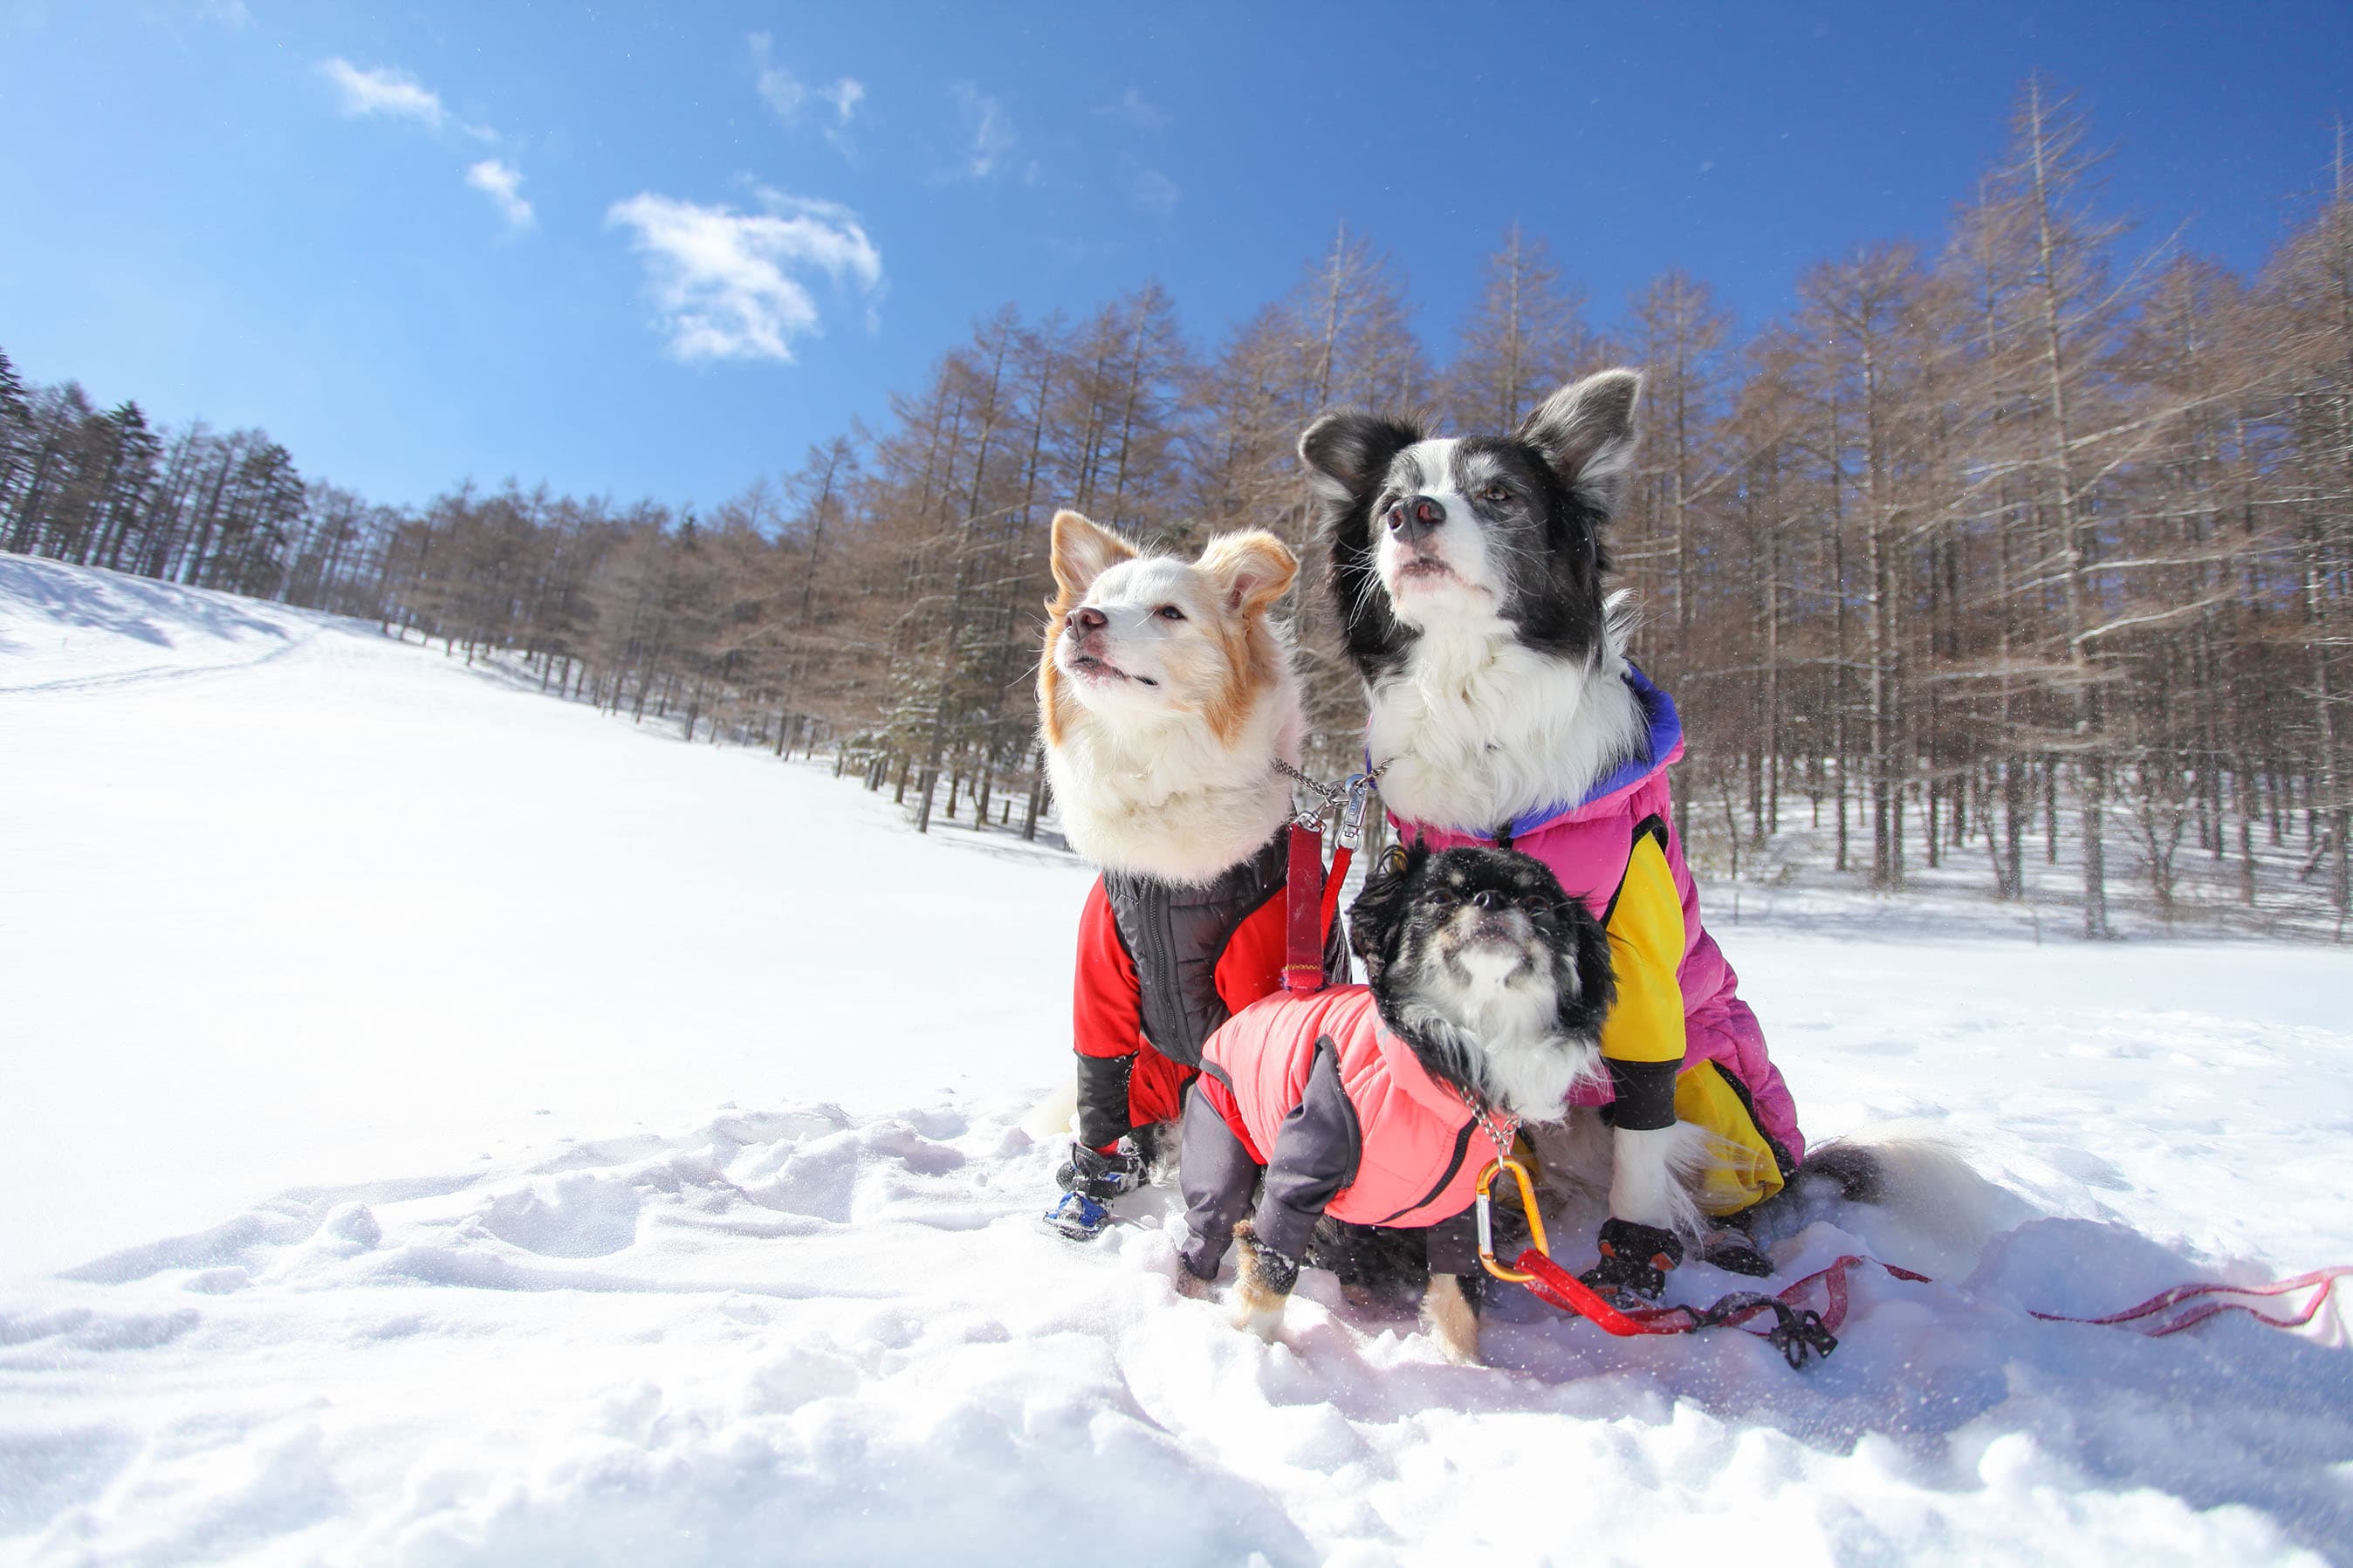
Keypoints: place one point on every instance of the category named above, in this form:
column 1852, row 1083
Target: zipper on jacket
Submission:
column 1462, row 1147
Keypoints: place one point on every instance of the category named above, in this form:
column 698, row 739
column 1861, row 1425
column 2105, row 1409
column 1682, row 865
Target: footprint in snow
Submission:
column 581, row 1216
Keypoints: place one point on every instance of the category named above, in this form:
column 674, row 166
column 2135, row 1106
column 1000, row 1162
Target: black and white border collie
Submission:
column 1469, row 573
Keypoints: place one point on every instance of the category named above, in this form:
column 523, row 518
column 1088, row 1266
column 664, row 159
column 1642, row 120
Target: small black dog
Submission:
column 1379, row 1105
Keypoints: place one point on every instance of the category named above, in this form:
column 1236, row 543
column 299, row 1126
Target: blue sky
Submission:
column 658, row 249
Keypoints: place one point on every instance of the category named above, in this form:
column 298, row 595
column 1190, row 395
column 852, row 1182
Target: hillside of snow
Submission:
column 445, row 1125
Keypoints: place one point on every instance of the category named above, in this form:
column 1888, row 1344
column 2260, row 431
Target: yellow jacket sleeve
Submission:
column 1642, row 1041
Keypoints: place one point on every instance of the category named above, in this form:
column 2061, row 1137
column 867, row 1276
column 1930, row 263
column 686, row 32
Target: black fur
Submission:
column 1394, row 924
column 1387, row 1267
column 1551, row 528
column 1856, row 1170
column 1353, row 451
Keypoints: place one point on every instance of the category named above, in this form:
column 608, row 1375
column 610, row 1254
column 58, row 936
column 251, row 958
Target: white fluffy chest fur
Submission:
column 1167, row 798
column 1477, row 728
column 1530, row 1066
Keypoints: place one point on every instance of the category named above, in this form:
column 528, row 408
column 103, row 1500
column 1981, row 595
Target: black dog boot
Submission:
column 1635, row 1260
column 1735, row 1253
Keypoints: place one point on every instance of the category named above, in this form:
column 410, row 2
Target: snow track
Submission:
column 97, row 623
column 460, row 974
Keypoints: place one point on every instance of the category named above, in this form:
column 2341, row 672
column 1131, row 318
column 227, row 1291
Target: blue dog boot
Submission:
column 1079, row 1217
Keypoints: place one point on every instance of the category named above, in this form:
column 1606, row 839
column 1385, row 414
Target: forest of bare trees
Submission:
column 2043, row 533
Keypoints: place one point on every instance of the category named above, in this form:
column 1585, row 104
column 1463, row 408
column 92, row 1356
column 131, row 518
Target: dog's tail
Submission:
column 1935, row 1206
column 1049, row 1120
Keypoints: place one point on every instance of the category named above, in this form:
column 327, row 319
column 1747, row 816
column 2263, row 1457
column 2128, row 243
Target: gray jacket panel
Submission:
column 1176, row 934
column 1317, row 1151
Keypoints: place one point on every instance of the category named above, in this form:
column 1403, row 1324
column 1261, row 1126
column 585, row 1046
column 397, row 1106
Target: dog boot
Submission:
column 1079, row 1217
column 1733, row 1251
column 1635, row 1260
column 1089, row 1180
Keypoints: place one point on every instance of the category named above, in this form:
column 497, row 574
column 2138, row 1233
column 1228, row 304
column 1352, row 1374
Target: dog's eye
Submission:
column 1495, row 495
column 1169, row 612
column 1537, row 904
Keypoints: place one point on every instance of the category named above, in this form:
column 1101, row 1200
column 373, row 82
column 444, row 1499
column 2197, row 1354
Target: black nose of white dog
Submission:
column 1490, row 898
column 1414, row 516
column 1084, row 620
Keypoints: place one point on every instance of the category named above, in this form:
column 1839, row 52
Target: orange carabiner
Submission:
column 1487, row 1224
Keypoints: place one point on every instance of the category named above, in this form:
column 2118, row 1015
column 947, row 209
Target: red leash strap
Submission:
column 1303, row 896
column 1339, row 874
column 1798, row 1331
column 1800, row 1328
column 2158, row 1306
column 1557, row 1285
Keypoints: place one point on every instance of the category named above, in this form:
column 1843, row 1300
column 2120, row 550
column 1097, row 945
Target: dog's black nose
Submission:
column 1415, row 516
column 1086, row 618
column 1491, row 899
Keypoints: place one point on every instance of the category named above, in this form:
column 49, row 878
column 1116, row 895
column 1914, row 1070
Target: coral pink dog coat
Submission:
column 1411, row 1151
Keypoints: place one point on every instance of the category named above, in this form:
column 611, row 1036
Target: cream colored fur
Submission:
column 1144, row 779
column 1446, row 1313
column 1163, row 797
column 1055, row 1117
column 1256, row 1307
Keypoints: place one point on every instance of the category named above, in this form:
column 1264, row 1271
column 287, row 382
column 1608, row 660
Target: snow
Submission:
column 446, row 1125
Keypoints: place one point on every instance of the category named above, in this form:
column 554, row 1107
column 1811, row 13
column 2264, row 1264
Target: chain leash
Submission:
column 1501, row 1137
column 1345, row 800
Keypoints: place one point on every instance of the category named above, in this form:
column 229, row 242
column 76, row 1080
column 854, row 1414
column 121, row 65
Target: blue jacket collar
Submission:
column 1663, row 732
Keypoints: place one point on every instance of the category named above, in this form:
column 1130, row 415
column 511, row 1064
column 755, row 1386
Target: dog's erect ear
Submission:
column 1374, row 917
column 1345, row 452
column 1586, row 431
column 1084, row 552
column 1251, row 570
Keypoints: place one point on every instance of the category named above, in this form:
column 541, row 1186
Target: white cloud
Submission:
column 735, row 285
column 991, row 132
column 388, row 91
column 786, row 95
column 780, row 89
column 845, row 95
column 503, row 185
column 1156, row 191
column 1135, row 109
column 393, row 92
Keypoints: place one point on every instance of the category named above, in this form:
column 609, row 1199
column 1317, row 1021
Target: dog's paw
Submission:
column 1447, row 1314
column 1262, row 1285
column 1255, row 1314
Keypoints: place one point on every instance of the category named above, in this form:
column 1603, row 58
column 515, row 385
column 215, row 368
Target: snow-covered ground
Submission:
column 443, row 1125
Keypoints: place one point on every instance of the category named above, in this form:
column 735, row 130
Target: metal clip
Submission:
column 1359, row 795
column 1536, row 1242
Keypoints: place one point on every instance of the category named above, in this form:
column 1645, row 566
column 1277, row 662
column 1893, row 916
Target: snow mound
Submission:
column 802, row 1333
